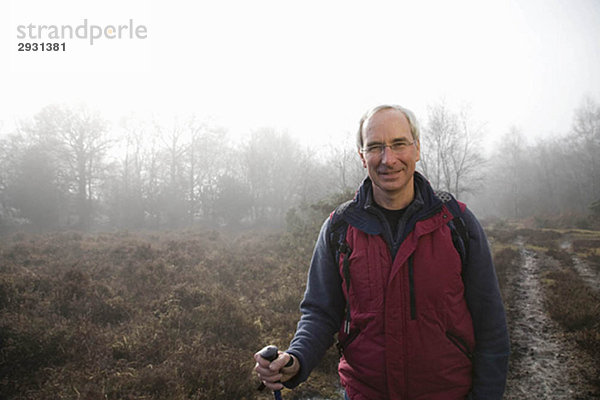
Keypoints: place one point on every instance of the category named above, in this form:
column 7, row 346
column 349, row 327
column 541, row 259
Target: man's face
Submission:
column 391, row 172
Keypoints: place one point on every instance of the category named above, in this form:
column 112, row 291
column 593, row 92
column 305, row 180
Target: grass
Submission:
column 178, row 315
column 570, row 301
column 576, row 307
column 133, row 316
column 506, row 260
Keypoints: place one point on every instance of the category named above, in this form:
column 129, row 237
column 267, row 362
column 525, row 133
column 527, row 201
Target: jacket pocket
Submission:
column 343, row 343
column 460, row 344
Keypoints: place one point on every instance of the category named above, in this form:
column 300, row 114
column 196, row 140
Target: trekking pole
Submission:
column 270, row 353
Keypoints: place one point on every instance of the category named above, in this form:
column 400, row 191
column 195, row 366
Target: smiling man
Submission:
column 405, row 277
column 389, row 152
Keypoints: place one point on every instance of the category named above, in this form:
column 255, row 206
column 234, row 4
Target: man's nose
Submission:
column 387, row 156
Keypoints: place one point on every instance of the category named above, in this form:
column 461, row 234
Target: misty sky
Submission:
column 311, row 67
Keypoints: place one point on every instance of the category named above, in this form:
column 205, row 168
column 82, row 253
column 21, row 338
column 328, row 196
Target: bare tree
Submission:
column 233, row 200
column 508, row 179
column 73, row 143
column 437, row 143
column 344, row 166
column 467, row 158
column 57, row 156
column 172, row 197
column 206, row 154
column 30, row 187
column 586, row 143
column 152, row 181
column 451, row 151
column 272, row 170
column 124, row 189
column 83, row 136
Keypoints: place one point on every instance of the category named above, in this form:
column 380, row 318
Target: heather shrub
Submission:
column 593, row 261
column 562, row 256
column 571, row 302
column 585, row 245
column 132, row 316
column 502, row 235
column 77, row 297
column 28, row 349
column 505, row 260
column 540, row 237
column 576, row 307
column 8, row 292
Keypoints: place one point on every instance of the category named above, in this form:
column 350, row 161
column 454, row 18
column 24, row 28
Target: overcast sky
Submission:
column 309, row 67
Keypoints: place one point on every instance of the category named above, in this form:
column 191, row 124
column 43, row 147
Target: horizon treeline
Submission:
column 68, row 168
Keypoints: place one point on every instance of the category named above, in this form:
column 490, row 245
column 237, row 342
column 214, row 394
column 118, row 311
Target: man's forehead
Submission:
column 388, row 120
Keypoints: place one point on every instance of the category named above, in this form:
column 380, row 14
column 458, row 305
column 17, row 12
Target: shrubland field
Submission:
column 178, row 315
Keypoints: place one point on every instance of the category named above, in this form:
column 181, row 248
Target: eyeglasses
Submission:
column 376, row 150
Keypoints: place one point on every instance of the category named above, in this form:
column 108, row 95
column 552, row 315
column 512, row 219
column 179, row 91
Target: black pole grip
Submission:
column 269, row 353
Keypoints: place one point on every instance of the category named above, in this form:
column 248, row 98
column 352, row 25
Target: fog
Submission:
column 232, row 114
column 311, row 69
column 66, row 168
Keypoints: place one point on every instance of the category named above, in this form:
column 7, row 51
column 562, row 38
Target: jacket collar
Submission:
column 361, row 214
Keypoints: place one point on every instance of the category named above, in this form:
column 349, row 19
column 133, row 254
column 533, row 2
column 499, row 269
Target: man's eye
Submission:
column 399, row 145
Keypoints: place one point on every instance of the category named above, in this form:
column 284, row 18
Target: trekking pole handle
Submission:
column 270, row 353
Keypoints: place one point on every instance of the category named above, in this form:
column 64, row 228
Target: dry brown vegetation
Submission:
column 153, row 316
column 179, row 315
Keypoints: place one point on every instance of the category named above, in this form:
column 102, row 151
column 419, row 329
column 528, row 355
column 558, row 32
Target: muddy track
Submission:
column 544, row 365
column 589, row 275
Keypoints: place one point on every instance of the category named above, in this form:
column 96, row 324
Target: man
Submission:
column 414, row 298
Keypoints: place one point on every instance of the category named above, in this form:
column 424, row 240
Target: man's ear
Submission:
column 362, row 158
column 418, row 150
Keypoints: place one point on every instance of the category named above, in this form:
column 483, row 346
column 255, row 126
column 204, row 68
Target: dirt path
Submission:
column 589, row 276
column 543, row 363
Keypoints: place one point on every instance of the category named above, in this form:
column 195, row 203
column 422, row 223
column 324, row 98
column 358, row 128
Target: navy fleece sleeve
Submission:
column 322, row 309
column 482, row 293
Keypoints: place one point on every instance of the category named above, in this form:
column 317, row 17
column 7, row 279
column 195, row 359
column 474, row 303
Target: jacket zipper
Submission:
column 411, row 288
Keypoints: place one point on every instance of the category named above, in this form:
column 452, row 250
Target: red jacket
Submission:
column 411, row 334
column 415, row 331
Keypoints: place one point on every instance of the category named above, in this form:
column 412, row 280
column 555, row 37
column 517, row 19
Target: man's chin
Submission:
column 390, row 186
column 394, row 183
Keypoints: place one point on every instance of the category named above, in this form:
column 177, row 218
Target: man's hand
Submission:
column 273, row 373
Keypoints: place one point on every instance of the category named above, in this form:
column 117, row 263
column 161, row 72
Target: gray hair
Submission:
column 412, row 121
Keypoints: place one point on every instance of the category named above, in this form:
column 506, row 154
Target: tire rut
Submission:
column 543, row 362
column 589, row 276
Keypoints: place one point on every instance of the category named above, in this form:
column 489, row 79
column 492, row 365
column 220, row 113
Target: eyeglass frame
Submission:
column 368, row 150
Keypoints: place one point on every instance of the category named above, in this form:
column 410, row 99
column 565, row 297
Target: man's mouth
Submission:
column 389, row 173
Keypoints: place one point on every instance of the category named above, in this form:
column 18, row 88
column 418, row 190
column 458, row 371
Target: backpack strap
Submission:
column 338, row 228
column 458, row 227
